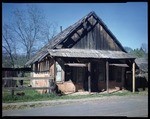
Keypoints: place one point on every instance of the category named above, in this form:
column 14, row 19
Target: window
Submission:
column 68, row 73
column 115, row 73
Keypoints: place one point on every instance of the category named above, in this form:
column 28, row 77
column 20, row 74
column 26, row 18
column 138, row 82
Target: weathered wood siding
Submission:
column 44, row 68
column 98, row 39
column 40, row 83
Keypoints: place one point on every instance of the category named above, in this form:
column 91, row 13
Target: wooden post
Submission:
column 89, row 77
column 54, row 70
column 107, row 76
column 122, row 77
column 133, row 77
column 12, row 92
column 50, row 86
column 63, row 74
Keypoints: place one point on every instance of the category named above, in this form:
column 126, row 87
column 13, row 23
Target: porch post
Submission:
column 133, row 77
column 107, row 76
column 122, row 77
column 89, row 77
column 54, row 70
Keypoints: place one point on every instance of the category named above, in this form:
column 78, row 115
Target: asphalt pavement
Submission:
column 128, row 106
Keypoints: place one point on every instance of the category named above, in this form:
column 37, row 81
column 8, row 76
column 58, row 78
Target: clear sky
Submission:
column 127, row 21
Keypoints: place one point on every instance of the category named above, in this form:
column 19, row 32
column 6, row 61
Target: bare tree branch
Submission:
column 9, row 45
column 29, row 29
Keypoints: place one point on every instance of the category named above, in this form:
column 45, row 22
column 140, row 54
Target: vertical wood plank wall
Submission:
column 97, row 38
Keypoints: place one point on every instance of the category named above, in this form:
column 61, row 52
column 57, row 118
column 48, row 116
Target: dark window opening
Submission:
column 115, row 73
column 68, row 73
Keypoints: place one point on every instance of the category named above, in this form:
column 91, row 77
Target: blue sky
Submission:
column 127, row 21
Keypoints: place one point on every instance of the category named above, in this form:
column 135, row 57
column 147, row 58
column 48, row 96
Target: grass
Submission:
column 32, row 95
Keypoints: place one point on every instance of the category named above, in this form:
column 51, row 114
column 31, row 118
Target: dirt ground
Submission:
column 103, row 92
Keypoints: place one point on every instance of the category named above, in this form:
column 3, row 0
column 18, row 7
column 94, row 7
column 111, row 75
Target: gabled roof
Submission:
column 54, row 42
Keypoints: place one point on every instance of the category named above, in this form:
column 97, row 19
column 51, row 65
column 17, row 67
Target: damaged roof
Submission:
column 142, row 64
column 62, row 36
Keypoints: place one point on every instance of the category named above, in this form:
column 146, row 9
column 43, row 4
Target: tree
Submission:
column 8, row 47
column 144, row 46
column 29, row 27
column 28, row 31
column 49, row 31
column 138, row 52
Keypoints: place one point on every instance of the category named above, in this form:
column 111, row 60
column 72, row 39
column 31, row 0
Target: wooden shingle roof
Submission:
column 62, row 36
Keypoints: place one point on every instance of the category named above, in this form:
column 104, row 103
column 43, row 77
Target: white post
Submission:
column 133, row 77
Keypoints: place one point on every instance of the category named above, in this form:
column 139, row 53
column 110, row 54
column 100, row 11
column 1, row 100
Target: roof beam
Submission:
column 76, row 64
column 119, row 65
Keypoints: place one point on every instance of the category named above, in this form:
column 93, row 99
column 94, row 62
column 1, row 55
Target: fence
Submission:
column 12, row 89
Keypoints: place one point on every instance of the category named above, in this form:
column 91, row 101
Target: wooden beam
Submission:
column 63, row 74
column 55, row 70
column 38, row 66
column 89, row 77
column 12, row 89
column 76, row 64
column 133, row 77
column 27, row 78
column 119, row 65
column 107, row 76
column 122, row 77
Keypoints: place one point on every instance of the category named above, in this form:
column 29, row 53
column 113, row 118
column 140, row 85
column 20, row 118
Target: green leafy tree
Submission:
column 138, row 53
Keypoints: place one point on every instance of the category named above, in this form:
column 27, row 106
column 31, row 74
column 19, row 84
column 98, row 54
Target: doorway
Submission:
column 94, row 77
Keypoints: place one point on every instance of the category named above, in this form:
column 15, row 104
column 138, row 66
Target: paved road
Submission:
column 130, row 106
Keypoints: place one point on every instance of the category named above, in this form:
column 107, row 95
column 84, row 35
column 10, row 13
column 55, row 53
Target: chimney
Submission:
column 60, row 28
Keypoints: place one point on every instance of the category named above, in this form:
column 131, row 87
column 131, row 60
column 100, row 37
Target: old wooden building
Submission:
column 86, row 56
